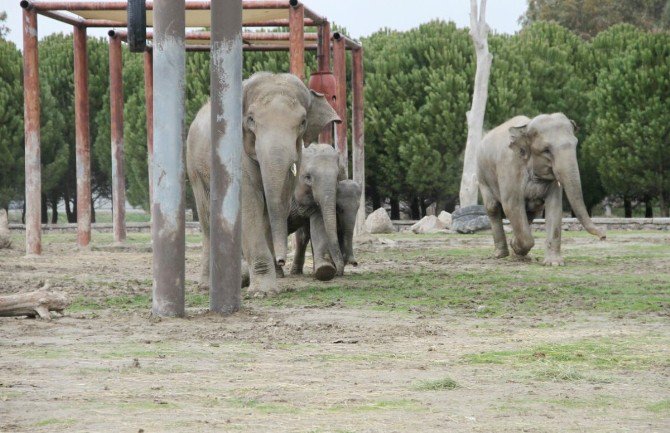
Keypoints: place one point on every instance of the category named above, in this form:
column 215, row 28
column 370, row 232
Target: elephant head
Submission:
column 348, row 202
column 280, row 116
column 317, row 186
column 547, row 145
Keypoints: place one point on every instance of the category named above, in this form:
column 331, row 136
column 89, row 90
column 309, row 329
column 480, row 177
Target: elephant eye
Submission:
column 308, row 178
column 303, row 124
column 251, row 123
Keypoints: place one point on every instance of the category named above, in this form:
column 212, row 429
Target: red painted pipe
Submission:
column 297, row 41
column 116, row 113
column 149, row 103
column 340, row 71
column 83, row 139
column 31, row 96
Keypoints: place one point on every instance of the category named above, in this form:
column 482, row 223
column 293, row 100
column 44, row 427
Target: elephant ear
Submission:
column 319, row 115
column 574, row 126
column 520, row 141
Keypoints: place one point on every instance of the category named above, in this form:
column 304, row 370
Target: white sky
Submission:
column 360, row 17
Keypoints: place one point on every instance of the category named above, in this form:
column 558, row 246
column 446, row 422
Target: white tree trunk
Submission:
column 5, row 239
column 479, row 32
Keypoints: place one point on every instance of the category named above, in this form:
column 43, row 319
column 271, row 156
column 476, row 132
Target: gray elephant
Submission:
column 280, row 116
column 523, row 167
column 325, row 260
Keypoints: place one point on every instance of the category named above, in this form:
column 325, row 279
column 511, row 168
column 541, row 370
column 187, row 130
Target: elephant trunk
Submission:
column 326, row 198
column 277, row 185
column 567, row 173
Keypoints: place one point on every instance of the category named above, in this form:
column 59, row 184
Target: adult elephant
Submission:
column 280, row 116
column 523, row 167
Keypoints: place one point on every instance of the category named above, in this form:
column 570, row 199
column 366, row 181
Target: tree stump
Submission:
column 32, row 304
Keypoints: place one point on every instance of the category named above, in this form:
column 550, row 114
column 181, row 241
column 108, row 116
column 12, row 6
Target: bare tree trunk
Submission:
column 5, row 239
column 37, row 303
column 479, row 32
column 627, row 207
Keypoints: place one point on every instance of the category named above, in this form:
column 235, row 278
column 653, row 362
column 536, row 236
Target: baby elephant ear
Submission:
column 519, row 141
column 319, row 115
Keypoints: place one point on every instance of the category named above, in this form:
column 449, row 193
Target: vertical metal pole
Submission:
column 83, row 138
column 297, row 38
column 358, row 132
column 323, row 58
column 149, row 103
column 31, row 95
column 340, row 71
column 167, row 210
column 116, row 114
column 225, row 177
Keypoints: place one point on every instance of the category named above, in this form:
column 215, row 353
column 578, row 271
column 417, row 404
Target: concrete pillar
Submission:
column 226, row 174
column 358, row 131
column 149, row 103
column 168, row 228
column 340, row 71
column 116, row 115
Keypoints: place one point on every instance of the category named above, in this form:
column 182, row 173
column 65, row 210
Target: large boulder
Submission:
column 379, row 222
column 428, row 224
column 445, row 218
column 5, row 238
column 470, row 219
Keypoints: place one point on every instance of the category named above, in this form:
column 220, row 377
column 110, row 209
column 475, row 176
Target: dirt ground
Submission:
column 429, row 334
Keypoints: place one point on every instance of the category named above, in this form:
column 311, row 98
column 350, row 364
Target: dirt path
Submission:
column 325, row 369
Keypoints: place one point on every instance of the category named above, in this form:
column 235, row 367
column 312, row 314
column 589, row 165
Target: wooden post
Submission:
column 149, row 103
column 116, row 114
column 31, row 95
column 83, row 138
column 340, row 70
column 297, row 38
column 167, row 209
column 358, row 131
column 226, row 157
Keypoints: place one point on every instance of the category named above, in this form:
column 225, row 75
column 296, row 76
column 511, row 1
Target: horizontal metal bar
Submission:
column 206, row 48
column 116, row 5
column 350, row 43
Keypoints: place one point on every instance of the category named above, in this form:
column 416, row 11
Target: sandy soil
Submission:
column 270, row 369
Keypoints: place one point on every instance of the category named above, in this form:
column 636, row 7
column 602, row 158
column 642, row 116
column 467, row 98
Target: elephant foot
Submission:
column 261, row 286
column 296, row 271
column 520, row 258
column 279, row 271
column 500, row 253
column 325, row 272
column 553, row 260
column 204, row 282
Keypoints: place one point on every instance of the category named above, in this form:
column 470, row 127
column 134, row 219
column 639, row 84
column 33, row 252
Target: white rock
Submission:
column 379, row 222
column 445, row 218
column 428, row 224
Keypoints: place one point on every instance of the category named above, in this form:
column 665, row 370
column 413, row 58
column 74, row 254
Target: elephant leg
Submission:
column 201, row 192
column 494, row 211
column 324, row 268
column 515, row 209
column 257, row 250
column 301, row 240
column 553, row 225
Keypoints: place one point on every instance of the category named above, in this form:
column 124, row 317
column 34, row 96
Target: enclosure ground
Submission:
column 429, row 334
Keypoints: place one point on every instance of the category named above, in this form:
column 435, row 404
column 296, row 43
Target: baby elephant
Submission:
column 523, row 167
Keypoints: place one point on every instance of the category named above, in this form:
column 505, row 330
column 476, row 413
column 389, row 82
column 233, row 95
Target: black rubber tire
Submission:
column 477, row 210
column 137, row 26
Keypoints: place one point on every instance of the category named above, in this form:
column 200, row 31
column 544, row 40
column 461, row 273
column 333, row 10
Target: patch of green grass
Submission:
column 598, row 401
column 262, row 407
column 380, row 405
column 446, row 383
column 580, row 360
column 63, row 422
column 661, row 407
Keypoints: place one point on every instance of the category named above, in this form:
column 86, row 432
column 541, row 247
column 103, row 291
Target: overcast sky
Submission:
column 360, row 17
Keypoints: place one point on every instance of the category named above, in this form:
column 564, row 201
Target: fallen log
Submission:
column 37, row 303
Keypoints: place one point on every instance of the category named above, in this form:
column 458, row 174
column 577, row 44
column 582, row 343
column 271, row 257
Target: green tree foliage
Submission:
column 11, row 123
column 587, row 18
column 631, row 119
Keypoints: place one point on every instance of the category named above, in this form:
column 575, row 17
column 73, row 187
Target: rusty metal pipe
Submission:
column 149, row 104
column 167, row 210
column 252, row 48
column 116, row 115
column 46, row 5
column 246, row 36
column 31, row 97
column 350, row 43
column 226, row 157
column 340, row 71
column 82, row 138
column 323, row 61
column 358, row 131
column 297, row 39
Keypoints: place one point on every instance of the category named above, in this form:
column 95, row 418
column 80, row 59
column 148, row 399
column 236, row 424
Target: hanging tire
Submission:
column 137, row 26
